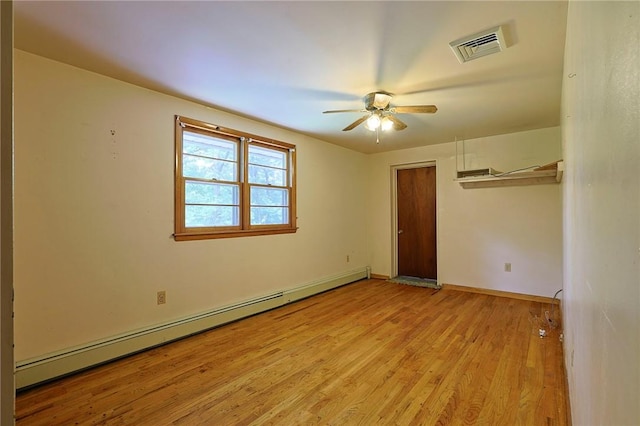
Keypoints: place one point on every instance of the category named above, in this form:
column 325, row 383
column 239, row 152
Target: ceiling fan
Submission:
column 380, row 113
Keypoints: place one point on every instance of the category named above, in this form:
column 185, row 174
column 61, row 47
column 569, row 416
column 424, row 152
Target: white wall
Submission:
column 479, row 230
column 94, row 213
column 601, row 136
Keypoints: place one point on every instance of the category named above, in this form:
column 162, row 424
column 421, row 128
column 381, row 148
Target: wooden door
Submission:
column 416, row 192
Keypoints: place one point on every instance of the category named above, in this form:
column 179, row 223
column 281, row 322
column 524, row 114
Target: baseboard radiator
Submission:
column 36, row 370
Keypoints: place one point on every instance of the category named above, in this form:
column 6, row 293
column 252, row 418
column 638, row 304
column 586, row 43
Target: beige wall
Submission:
column 479, row 230
column 6, row 215
column 601, row 136
column 94, row 213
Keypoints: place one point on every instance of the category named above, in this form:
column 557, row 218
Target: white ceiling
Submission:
column 285, row 62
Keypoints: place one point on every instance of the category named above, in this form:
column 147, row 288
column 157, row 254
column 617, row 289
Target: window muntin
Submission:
column 230, row 184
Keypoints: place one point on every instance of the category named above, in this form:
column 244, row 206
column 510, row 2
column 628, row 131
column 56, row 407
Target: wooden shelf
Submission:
column 550, row 173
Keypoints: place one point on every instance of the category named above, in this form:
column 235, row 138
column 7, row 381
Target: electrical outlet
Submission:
column 162, row 297
column 507, row 267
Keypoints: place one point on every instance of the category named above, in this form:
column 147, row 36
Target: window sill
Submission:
column 190, row 236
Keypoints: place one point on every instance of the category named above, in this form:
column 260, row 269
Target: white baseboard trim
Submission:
column 36, row 370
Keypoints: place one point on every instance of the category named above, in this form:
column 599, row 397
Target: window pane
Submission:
column 207, row 146
column 267, row 176
column 267, row 157
column 199, row 216
column 269, row 215
column 211, row 193
column 205, row 168
column 261, row 196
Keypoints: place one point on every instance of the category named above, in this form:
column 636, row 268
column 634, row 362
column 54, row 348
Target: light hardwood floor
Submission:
column 367, row 353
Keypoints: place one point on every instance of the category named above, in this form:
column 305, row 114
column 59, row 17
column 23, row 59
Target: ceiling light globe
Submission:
column 386, row 124
column 373, row 122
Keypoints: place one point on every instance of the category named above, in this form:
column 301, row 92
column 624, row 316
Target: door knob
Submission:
column 400, row 231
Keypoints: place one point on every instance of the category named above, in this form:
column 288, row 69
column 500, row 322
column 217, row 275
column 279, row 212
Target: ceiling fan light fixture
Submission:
column 373, row 122
column 386, row 124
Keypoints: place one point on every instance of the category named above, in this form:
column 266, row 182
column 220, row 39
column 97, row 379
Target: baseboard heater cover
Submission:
column 36, row 370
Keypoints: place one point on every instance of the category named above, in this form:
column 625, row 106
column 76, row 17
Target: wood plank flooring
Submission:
column 367, row 353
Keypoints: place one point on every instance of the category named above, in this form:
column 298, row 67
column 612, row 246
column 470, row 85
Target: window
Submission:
column 231, row 184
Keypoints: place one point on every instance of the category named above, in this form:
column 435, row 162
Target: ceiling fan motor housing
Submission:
column 377, row 101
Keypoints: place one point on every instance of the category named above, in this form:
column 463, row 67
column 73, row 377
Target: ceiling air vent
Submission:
column 478, row 45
